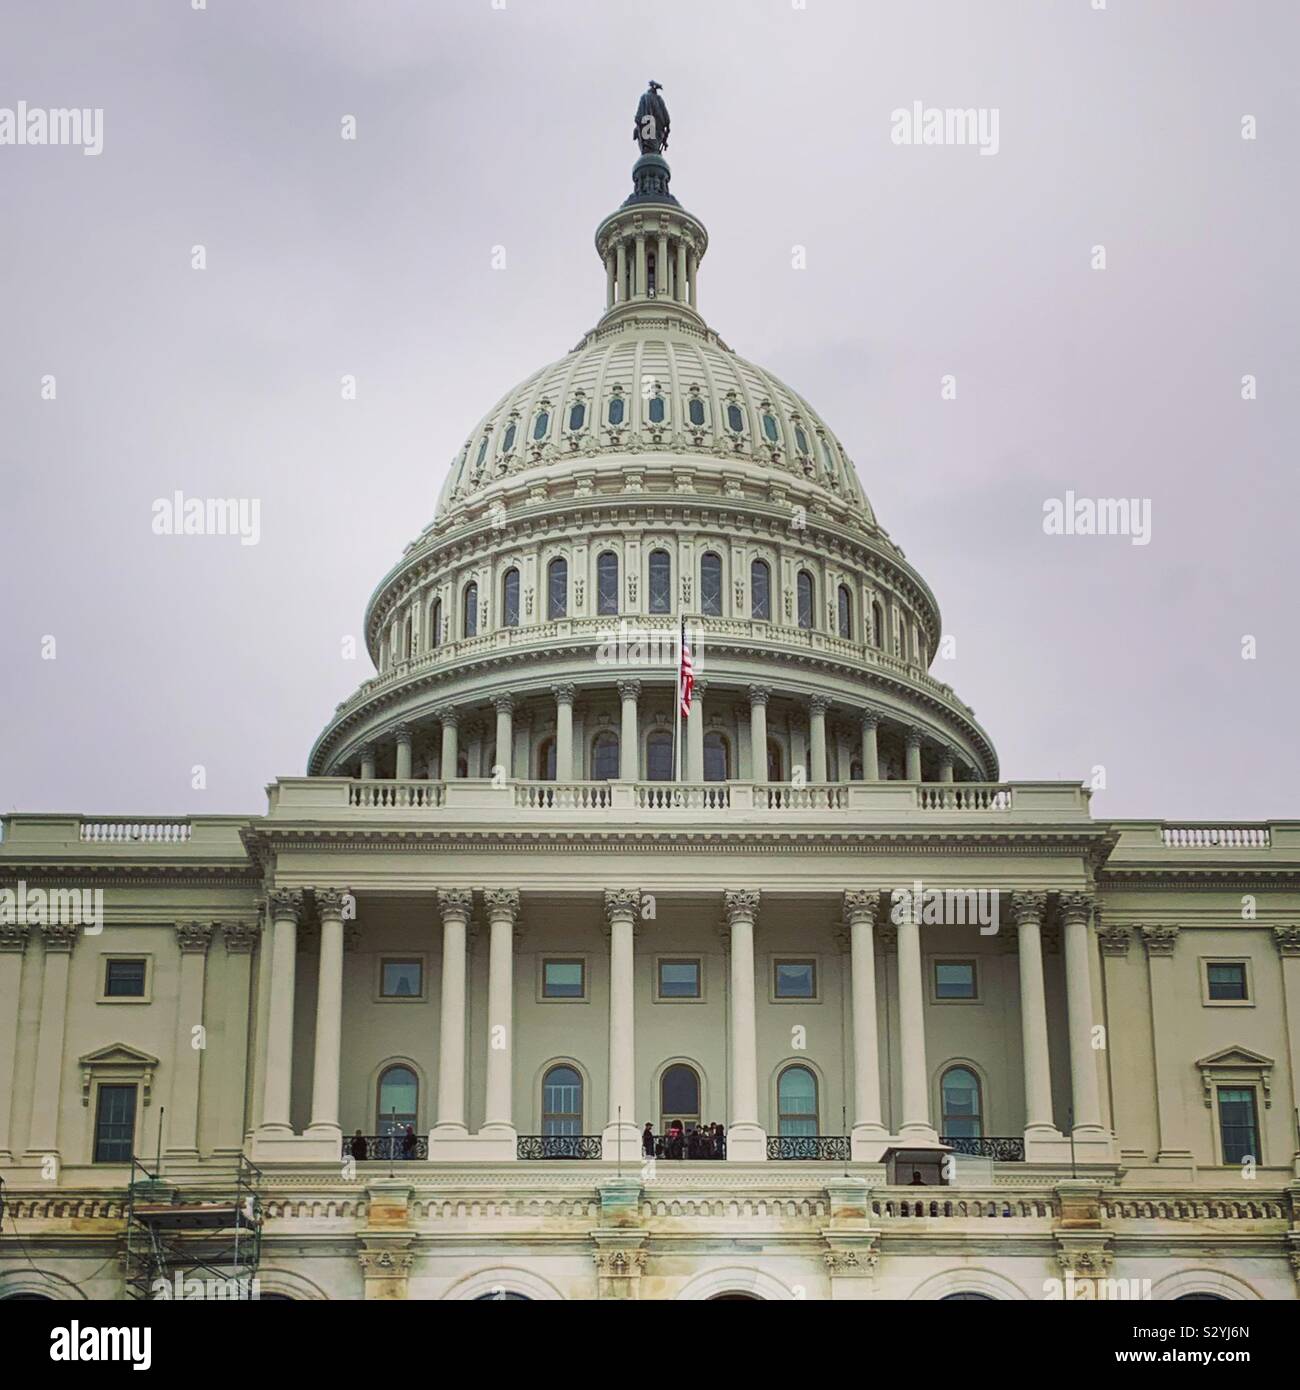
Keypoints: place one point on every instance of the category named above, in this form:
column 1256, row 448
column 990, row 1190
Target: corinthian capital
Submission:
column 622, row 903
column 285, row 904
column 1159, row 940
column 502, row 903
column 1028, row 908
column 1288, row 940
column 1076, row 907
column 330, row 902
column 759, row 694
column 861, row 905
column 740, row 905
column 194, row 937
column 629, row 690
column 455, row 903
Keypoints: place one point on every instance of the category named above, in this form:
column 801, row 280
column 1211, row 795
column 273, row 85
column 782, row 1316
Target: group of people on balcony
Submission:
column 701, row 1141
column 398, row 1143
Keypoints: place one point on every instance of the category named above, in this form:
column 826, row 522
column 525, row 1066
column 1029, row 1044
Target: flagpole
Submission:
column 677, row 702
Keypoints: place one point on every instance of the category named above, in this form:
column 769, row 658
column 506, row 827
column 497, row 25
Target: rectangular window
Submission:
column 795, row 979
column 564, row 979
column 1238, row 1128
column 1225, row 981
column 679, row 979
column 954, row 979
column 401, row 979
column 124, row 979
column 115, row 1124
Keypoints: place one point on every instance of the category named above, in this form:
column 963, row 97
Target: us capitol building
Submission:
column 965, row 1040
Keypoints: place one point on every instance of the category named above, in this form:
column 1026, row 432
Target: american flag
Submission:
column 685, row 674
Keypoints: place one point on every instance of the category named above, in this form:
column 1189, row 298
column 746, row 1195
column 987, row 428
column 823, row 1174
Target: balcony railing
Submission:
column 535, row 1146
column 387, row 1148
column 1008, row 1149
column 125, row 831
column 831, row 1148
column 1216, row 836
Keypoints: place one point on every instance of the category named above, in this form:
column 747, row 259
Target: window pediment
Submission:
column 1237, row 1065
column 118, row 1062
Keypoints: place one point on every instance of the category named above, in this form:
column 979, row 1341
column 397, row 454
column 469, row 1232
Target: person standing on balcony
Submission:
column 648, row 1140
column 357, row 1148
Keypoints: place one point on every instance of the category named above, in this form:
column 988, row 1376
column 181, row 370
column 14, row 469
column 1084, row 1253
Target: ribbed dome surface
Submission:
column 652, row 382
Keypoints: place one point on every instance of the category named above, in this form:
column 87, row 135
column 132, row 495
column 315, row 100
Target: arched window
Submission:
column 546, row 760
column 775, row 762
column 469, row 611
column 616, row 410
column 577, row 416
column 760, row 590
column 796, row 1101
column 657, row 410
column 968, row 1297
column 877, row 625
column 661, row 582
column 541, row 424
column 498, row 1296
column 711, row 584
column 717, row 758
column 557, row 588
column 607, row 582
column 659, row 756
column 508, row 442
column 679, row 1097
column 735, row 418
column 435, row 623
column 695, row 410
column 1200, row 1298
column 399, row 1094
column 604, row 757
column 406, row 638
column 844, row 610
column 482, row 454
column 828, row 455
column 804, row 596
column 510, row 598
column 771, row 428
column 962, row 1110
column 562, row 1101
column 800, row 440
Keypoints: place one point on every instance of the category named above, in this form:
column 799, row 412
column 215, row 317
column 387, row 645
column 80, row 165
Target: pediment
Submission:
column 118, row 1054
column 1235, row 1064
column 117, row 1062
column 1235, row 1056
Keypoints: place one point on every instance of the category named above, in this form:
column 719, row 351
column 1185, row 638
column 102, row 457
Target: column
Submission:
column 564, row 697
column 692, row 270
column 947, row 762
column 1288, row 947
column 502, row 912
column 661, row 267
column 869, row 1134
column 695, row 735
column 817, row 708
column 1076, row 910
column 629, row 743
column 455, row 904
column 505, row 759
column 913, row 741
column 609, row 280
column 620, row 258
column 622, row 1132
column 746, row 1141
column 758, row 698
column 870, row 747
column 368, row 763
column 193, row 939
column 329, row 1018
column 450, row 742
column 640, row 266
column 13, row 949
column 1170, row 1057
column 286, row 913
column 403, row 734
column 1027, row 910
column 239, row 938
column 916, row 1127
column 680, row 286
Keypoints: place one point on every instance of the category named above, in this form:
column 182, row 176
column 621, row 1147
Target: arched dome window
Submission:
column 679, row 1097
column 557, row 588
column 775, row 762
column 546, row 760
column 735, row 418
column 717, row 757
column 616, row 410
column 962, row 1107
column 469, row 611
column 604, row 757
column 844, row 611
column 968, row 1297
column 760, row 590
column 771, row 428
column 562, row 1101
column 877, row 625
column 796, row 1102
column 541, row 424
column 406, row 638
column 577, row 416
column 661, row 582
column 658, row 409
column 510, row 598
column 508, row 442
column 659, row 756
column 397, row 1101
column 435, row 623
column 800, row 440
column 828, row 456
column 804, row 595
column 695, row 412
column 607, row 582
column 482, row 454
column 711, row 584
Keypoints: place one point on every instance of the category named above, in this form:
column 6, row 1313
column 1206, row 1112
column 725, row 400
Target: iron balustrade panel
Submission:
column 832, row 1148
column 387, row 1148
column 558, row 1146
column 999, row 1148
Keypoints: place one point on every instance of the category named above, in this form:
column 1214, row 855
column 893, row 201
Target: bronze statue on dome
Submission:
column 651, row 128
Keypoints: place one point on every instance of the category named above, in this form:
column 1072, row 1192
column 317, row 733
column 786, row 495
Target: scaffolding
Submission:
column 204, row 1245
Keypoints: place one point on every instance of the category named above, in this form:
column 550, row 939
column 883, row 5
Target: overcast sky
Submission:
column 480, row 126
